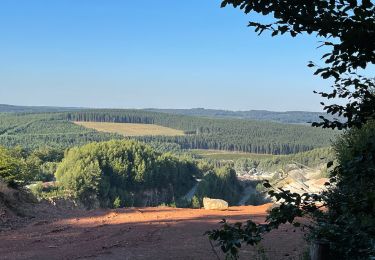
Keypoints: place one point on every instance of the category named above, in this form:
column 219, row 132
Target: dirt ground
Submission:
column 142, row 233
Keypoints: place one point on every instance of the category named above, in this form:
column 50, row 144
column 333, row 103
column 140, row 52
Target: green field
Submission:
column 228, row 155
column 130, row 129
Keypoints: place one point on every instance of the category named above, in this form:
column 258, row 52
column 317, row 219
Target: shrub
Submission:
column 37, row 189
column 117, row 203
column 14, row 170
column 195, row 203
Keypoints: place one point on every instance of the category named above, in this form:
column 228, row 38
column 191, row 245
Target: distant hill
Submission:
column 33, row 109
column 290, row 117
column 293, row 117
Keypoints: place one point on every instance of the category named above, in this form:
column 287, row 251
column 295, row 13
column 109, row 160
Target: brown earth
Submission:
column 141, row 233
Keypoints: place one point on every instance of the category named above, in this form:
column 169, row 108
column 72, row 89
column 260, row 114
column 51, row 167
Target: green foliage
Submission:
column 358, row 92
column 229, row 134
column 294, row 117
column 97, row 173
column 195, row 203
column 46, row 171
column 44, row 191
column 221, row 183
column 37, row 188
column 57, row 130
column 247, row 163
column 269, row 163
column 117, row 203
column 172, row 204
column 165, row 147
column 348, row 223
column 48, row 154
column 34, row 131
column 14, row 169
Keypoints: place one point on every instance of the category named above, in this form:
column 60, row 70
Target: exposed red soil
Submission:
column 142, row 233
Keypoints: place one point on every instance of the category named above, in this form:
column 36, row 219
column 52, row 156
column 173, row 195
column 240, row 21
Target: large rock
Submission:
column 215, row 204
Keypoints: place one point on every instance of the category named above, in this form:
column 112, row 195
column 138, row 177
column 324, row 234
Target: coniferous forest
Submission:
column 57, row 129
column 107, row 170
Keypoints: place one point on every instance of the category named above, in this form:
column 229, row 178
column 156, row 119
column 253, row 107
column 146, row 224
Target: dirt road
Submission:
column 141, row 233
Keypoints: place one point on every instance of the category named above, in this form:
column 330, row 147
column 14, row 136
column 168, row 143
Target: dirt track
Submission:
column 141, row 233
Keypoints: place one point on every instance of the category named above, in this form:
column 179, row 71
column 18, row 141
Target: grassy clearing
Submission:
column 127, row 129
column 228, row 155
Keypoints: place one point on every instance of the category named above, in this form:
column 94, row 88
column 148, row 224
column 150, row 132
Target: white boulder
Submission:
column 215, row 204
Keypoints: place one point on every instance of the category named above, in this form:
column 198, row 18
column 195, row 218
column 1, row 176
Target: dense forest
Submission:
column 98, row 173
column 293, row 117
column 56, row 129
column 116, row 173
column 37, row 130
column 220, row 134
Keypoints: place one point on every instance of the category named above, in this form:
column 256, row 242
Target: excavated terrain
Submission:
column 138, row 233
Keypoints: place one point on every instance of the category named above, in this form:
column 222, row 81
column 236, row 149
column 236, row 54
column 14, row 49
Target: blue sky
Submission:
column 152, row 53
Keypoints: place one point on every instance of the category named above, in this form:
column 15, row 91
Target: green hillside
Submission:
column 293, row 117
column 219, row 134
column 56, row 129
column 37, row 130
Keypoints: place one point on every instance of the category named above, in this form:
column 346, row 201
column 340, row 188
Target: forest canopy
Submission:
column 98, row 173
column 57, row 130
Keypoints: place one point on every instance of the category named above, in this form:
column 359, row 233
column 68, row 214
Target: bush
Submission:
column 14, row 170
column 195, row 203
column 37, row 189
column 117, row 203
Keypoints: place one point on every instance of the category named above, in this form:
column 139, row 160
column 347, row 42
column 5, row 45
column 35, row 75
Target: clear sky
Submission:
column 151, row 53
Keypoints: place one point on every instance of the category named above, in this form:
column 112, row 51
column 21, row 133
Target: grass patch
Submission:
column 228, row 155
column 128, row 129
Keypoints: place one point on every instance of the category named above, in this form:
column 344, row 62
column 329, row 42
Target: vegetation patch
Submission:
column 124, row 173
column 131, row 129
